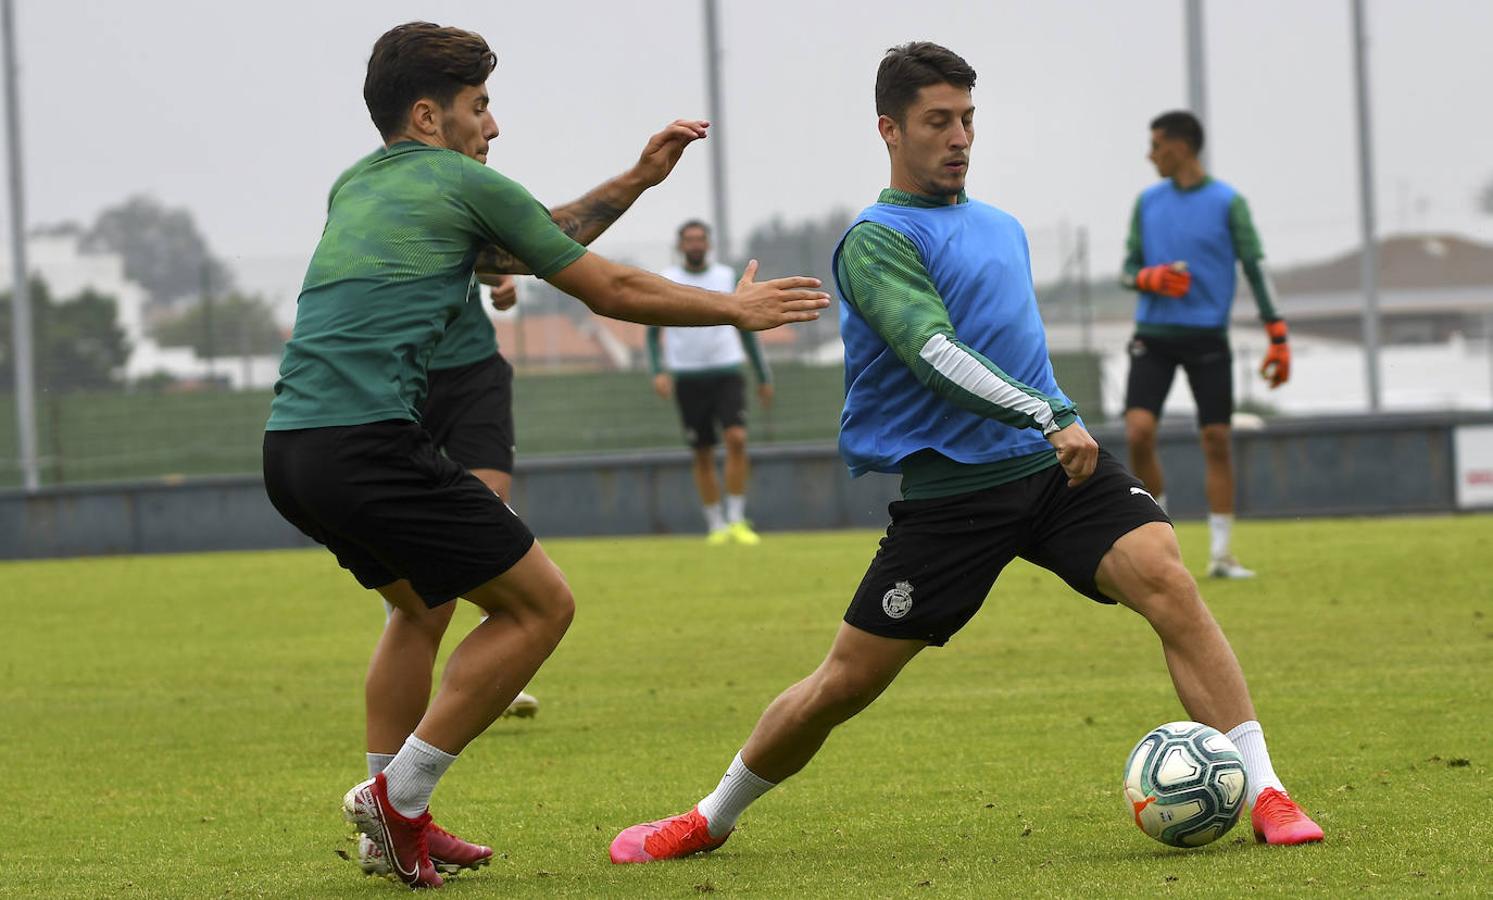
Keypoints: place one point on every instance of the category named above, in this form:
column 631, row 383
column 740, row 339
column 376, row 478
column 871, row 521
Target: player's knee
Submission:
column 1140, row 437
column 1172, row 601
column 1216, row 442
column 559, row 610
column 736, row 439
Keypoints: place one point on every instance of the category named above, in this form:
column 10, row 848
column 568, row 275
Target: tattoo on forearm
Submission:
column 585, row 219
column 582, row 220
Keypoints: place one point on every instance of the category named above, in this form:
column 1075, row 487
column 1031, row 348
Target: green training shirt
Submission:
column 885, row 280
column 391, row 274
column 470, row 338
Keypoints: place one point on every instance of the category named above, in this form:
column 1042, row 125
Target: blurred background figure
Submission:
column 702, row 369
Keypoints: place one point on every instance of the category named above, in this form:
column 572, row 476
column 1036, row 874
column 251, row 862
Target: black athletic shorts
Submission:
column 940, row 557
column 469, row 413
column 1210, row 371
column 706, row 401
column 389, row 506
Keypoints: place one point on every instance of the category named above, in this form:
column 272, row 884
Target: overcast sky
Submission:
column 246, row 112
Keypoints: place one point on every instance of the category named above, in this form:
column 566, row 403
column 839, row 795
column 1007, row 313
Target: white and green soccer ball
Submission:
column 1185, row 784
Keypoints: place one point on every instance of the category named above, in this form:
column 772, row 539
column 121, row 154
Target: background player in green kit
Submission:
column 948, row 382
column 345, row 458
column 1186, row 234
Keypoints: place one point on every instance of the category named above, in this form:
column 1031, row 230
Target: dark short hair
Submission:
column 908, row 68
column 419, row 60
column 694, row 223
column 1181, row 125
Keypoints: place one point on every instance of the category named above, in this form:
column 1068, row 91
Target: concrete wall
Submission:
column 1305, row 467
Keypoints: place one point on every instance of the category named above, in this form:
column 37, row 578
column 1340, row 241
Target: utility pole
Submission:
column 20, row 298
column 717, row 141
column 1085, row 302
column 1369, row 256
column 1197, row 68
column 209, row 345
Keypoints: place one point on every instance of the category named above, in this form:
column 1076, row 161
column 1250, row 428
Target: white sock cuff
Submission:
column 1243, row 728
column 420, row 746
column 735, row 508
column 738, row 789
column 377, row 762
column 739, row 770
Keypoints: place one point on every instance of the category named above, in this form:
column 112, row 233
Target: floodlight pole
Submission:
column 717, row 140
column 1197, row 68
column 20, row 300
column 1369, row 256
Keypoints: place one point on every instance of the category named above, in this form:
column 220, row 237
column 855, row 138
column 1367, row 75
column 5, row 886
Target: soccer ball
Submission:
column 1185, row 783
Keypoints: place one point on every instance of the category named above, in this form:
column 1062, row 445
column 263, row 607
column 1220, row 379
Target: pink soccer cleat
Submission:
column 401, row 842
column 671, row 838
column 1278, row 820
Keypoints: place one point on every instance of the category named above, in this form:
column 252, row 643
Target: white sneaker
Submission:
column 524, row 706
column 1228, row 567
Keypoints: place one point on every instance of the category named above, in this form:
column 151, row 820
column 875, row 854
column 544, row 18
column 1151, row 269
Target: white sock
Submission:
column 735, row 508
column 412, row 775
column 1250, row 740
column 1161, row 501
column 1220, row 527
column 715, row 519
column 377, row 762
column 738, row 788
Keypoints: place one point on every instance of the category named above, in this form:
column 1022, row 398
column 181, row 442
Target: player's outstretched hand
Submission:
column 504, row 293
column 665, row 148
column 1078, row 452
column 768, row 304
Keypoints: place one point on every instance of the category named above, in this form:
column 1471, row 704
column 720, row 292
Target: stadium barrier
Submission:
column 1355, row 465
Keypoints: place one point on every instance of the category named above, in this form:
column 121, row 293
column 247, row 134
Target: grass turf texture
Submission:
column 185, row 726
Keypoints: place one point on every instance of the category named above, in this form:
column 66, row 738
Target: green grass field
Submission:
column 186, row 726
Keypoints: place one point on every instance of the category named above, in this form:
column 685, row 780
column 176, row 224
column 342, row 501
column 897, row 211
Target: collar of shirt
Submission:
column 903, row 198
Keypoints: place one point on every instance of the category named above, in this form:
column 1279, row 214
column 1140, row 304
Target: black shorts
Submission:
column 940, row 557
column 389, row 506
column 706, row 401
column 1210, row 372
column 469, row 413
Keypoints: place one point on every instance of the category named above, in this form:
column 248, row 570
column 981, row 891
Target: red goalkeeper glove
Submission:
column 1167, row 279
column 1276, row 368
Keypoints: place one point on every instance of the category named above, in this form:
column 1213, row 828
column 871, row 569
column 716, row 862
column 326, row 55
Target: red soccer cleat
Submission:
column 1278, row 820
column 448, row 853
column 402, row 842
column 672, row 838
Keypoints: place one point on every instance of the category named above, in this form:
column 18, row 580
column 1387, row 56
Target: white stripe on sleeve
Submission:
column 960, row 367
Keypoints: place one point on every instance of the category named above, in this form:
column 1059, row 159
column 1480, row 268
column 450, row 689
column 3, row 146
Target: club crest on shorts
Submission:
column 898, row 601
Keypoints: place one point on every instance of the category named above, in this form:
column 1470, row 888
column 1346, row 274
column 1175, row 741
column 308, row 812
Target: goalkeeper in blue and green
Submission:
column 1187, row 235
